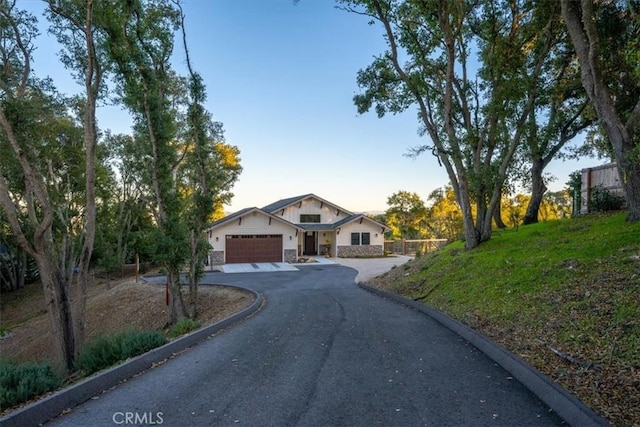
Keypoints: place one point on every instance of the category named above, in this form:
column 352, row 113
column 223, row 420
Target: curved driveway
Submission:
column 322, row 352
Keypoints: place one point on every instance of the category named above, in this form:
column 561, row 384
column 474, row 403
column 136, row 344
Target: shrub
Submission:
column 103, row 352
column 99, row 353
column 22, row 382
column 183, row 326
column 138, row 343
column 602, row 200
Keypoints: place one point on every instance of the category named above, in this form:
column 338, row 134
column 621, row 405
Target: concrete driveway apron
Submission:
column 321, row 352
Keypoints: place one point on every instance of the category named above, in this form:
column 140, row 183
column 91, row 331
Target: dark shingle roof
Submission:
column 347, row 219
column 317, row 227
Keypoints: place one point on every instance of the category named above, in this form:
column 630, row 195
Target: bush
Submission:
column 103, row 352
column 602, row 200
column 138, row 343
column 183, row 326
column 22, row 382
column 99, row 353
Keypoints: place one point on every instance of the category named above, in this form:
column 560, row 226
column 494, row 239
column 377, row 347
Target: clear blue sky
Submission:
column 281, row 78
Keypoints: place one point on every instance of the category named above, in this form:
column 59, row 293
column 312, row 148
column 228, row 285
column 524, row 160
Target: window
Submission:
column 358, row 239
column 355, row 239
column 309, row 218
column 366, row 238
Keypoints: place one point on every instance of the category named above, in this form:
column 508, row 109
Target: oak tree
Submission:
column 605, row 37
column 475, row 112
column 73, row 25
column 41, row 186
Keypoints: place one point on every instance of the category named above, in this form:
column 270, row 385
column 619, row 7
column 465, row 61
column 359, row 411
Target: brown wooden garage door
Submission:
column 254, row 248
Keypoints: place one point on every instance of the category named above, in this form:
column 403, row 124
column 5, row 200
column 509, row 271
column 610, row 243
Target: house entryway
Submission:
column 310, row 247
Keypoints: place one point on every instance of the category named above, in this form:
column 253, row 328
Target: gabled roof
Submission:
column 245, row 212
column 230, row 217
column 281, row 204
column 269, row 211
column 361, row 216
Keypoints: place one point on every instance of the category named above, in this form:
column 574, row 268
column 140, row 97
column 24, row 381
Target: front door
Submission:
column 310, row 243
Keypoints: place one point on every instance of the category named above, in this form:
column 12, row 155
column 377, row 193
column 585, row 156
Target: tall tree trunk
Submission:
column 194, row 262
column 630, row 173
column 54, row 279
column 162, row 193
column 537, row 192
column 580, row 20
column 497, row 216
column 176, row 303
column 92, row 83
column 471, row 235
column 56, row 293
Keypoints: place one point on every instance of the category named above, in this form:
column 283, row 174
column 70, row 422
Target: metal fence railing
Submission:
column 413, row 246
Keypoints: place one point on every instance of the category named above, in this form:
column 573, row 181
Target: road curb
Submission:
column 566, row 405
column 45, row 409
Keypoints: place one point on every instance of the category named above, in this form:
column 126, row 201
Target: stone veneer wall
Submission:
column 290, row 255
column 359, row 251
column 217, row 257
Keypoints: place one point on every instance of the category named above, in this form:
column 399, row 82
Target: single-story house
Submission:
column 305, row 225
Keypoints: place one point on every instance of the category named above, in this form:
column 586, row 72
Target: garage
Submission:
column 254, row 248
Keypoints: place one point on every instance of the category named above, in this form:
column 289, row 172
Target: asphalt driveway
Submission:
column 321, row 352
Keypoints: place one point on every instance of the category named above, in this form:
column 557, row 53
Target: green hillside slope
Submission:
column 562, row 295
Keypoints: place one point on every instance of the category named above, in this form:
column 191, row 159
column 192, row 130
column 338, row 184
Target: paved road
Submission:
column 368, row 268
column 321, row 352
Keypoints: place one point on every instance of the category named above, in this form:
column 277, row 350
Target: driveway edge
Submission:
column 51, row 406
column 565, row 404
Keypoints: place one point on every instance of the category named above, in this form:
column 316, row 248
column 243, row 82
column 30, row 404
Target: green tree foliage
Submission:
column 123, row 231
column 207, row 173
column 140, row 42
column 125, row 222
column 177, row 158
column 16, row 267
column 556, row 205
column 562, row 109
column 406, row 215
column 444, row 219
column 73, row 25
column 41, row 181
column 474, row 117
column 61, row 190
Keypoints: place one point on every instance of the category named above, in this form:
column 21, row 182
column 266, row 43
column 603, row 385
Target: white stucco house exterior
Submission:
column 290, row 228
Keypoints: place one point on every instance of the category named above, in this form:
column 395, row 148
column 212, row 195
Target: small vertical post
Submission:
column 137, row 268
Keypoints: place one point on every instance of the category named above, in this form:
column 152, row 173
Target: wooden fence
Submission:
column 605, row 176
column 411, row 247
